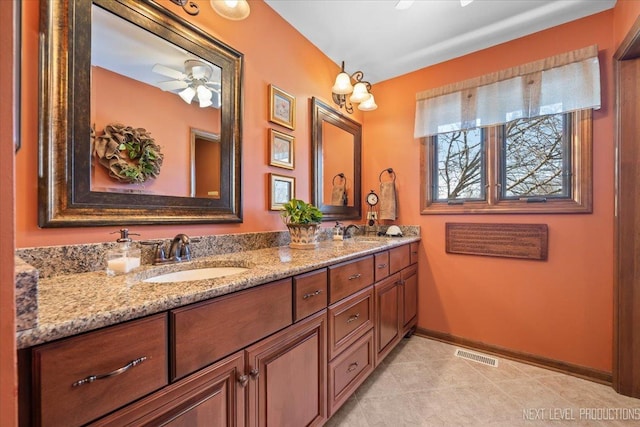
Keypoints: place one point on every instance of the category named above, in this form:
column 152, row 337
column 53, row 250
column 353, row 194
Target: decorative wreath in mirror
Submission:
column 131, row 155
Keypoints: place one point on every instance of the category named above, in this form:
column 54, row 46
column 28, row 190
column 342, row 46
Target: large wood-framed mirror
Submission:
column 137, row 70
column 336, row 152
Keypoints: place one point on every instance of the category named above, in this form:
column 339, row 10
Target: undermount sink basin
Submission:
column 195, row 274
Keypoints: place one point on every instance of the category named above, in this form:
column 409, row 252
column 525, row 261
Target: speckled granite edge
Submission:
column 26, row 295
column 76, row 303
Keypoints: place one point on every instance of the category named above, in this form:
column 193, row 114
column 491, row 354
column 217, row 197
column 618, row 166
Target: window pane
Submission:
column 459, row 172
column 536, row 158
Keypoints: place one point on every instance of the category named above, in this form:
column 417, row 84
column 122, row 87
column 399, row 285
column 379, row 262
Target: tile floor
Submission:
column 421, row 383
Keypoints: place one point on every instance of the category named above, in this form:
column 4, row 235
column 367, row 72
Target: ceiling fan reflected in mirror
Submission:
column 193, row 84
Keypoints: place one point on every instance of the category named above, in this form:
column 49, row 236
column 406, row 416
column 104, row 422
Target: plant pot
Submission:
column 304, row 236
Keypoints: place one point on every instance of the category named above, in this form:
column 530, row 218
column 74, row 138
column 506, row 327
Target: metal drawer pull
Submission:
column 352, row 367
column 355, row 276
column 353, row 318
column 312, row 294
column 119, row 371
column 382, row 265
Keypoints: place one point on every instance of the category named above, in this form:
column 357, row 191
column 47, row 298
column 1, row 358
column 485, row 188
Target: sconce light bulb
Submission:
column 368, row 105
column 235, row 10
column 360, row 93
column 342, row 85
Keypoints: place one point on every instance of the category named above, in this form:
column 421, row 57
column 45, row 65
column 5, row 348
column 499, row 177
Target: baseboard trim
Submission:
column 590, row 374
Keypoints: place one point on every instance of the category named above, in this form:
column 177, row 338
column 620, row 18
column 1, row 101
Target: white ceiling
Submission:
column 374, row 37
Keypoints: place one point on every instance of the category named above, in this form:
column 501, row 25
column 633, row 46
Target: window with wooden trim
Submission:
column 530, row 165
column 516, row 140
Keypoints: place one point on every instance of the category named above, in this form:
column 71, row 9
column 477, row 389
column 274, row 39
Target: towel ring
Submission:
column 390, row 171
column 341, row 175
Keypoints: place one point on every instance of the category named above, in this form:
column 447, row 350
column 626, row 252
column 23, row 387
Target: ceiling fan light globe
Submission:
column 360, row 93
column 205, row 103
column 203, row 93
column 342, row 86
column 187, row 94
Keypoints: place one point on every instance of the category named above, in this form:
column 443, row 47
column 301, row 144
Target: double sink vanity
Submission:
column 281, row 337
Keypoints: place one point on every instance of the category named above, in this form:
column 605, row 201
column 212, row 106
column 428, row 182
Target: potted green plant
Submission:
column 303, row 220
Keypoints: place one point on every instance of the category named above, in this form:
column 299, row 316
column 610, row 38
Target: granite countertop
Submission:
column 76, row 303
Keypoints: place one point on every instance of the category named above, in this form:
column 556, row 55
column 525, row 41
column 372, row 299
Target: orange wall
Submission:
column 8, row 406
column 625, row 15
column 274, row 52
column 559, row 309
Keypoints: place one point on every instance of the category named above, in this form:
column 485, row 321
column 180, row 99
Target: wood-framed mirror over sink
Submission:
column 336, row 159
column 179, row 78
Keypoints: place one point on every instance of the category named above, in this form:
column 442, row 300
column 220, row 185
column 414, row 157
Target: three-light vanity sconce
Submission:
column 345, row 94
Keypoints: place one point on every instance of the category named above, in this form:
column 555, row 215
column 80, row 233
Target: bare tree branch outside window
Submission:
column 460, row 165
column 535, row 157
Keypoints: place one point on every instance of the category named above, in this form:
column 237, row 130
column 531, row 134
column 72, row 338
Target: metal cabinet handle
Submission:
column 312, row 294
column 382, row 265
column 355, row 276
column 352, row 367
column 254, row 373
column 243, row 380
column 353, row 318
column 92, row 378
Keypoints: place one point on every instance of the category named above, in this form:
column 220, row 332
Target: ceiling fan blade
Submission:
column 213, row 85
column 172, row 85
column 169, row 72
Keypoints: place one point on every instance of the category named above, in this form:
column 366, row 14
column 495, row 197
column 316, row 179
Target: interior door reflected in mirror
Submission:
column 336, row 146
column 205, row 164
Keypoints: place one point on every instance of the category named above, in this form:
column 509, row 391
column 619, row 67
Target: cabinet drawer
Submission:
column 309, row 293
column 381, row 265
column 135, row 353
column 349, row 277
column 399, row 258
column 349, row 319
column 349, row 370
column 208, row 331
column 414, row 252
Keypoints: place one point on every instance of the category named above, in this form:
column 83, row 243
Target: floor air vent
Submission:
column 477, row 357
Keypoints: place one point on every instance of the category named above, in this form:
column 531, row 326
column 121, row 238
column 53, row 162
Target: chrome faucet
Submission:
column 347, row 230
column 179, row 250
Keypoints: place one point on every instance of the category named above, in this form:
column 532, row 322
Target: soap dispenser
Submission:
column 123, row 258
column 338, row 232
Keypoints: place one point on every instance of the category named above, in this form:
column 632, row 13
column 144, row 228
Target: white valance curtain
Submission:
column 562, row 83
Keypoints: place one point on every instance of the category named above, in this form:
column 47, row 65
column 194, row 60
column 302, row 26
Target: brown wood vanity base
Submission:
column 289, row 352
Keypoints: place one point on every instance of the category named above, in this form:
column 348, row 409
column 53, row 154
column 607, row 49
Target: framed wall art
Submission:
column 281, row 148
column 281, row 190
column 282, row 107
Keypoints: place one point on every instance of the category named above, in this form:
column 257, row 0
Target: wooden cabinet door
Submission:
column 212, row 397
column 409, row 297
column 388, row 329
column 288, row 372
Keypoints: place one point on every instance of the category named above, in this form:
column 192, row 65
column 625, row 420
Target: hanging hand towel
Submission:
column 388, row 205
